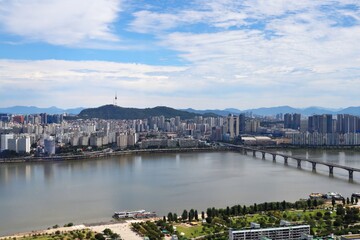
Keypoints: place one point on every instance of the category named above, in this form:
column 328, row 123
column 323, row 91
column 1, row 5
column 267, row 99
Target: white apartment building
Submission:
column 4, row 141
column 280, row 233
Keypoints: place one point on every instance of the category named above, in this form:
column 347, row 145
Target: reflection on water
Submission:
column 39, row 195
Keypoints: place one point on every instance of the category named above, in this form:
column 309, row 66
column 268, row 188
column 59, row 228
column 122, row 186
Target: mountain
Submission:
column 351, row 110
column 224, row 112
column 36, row 110
column 115, row 112
column 271, row 111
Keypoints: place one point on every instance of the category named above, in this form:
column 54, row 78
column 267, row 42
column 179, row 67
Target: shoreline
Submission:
column 95, row 155
column 123, row 228
column 106, row 154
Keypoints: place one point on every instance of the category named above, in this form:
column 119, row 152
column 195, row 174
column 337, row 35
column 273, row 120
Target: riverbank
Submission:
column 94, row 155
column 121, row 228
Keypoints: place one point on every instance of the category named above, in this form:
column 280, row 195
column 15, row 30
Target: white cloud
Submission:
column 243, row 54
column 60, row 22
column 64, row 81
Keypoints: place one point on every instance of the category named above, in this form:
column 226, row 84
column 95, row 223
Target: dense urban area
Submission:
column 47, row 135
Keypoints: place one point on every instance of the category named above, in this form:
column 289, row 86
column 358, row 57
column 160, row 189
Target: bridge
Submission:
column 245, row 150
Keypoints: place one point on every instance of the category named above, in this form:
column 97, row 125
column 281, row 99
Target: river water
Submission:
column 39, row 195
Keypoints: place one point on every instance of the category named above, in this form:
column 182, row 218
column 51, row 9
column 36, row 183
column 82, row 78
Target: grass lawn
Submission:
column 191, row 231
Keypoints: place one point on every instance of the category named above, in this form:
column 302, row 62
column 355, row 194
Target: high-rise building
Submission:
column 49, row 146
column 233, row 126
column 287, row 120
column 13, row 144
column 292, row 121
column 4, row 141
column 242, row 123
column 23, row 145
column 320, row 123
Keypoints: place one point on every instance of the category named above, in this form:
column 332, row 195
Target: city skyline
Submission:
column 199, row 54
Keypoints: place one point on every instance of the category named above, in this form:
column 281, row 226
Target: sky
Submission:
column 203, row 54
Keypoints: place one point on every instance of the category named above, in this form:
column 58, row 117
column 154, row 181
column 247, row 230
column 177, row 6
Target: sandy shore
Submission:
column 123, row 229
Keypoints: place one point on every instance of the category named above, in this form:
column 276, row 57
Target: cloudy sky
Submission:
column 180, row 53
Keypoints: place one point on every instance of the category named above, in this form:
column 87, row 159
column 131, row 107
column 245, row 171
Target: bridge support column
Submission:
column 263, row 155
column 254, row 153
column 331, row 170
column 313, row 166
column 298, row 163
column 274, row 157
column 285, row 160
column 351, row 174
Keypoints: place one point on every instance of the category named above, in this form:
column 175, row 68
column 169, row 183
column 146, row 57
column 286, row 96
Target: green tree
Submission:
column 99, row 236
column 175, row 217
column 244, row 210
column 227, row 210
column 333, row 202
column 184, row 215
column 340, row 210
column 107, row 231
column 115, row 236
column 209, row 212
column 347, row 201
column 202, row 215
column 170, row 217
column 191, row 215
column 196, row 215
column 352, row 200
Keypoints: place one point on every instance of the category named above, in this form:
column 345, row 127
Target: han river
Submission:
column 36, row 196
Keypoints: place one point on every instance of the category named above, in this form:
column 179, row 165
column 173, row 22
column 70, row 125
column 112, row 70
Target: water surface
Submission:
column 39, row 195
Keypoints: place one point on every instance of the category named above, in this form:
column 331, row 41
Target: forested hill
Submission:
column 115, row 112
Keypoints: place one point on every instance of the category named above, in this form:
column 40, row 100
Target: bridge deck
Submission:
column 296, row 158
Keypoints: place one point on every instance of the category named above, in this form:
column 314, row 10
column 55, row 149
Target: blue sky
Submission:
column 200, row 53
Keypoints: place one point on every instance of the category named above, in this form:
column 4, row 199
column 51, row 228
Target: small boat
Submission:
column 335, row 195
column 356, row 195
column 134, row 214
column 316, row 195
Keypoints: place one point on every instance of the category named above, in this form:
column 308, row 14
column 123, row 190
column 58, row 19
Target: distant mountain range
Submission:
column 115, row 112
column 170, row 112
column 281, row 109
column 36, row 110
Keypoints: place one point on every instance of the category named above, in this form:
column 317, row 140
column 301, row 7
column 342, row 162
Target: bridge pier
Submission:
column 254, row 153
column 274, row 157
column 331, row 170
column 351, row 174
column 313, row 166
column 263, row 155
column 285, row 160
column 298, row 163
